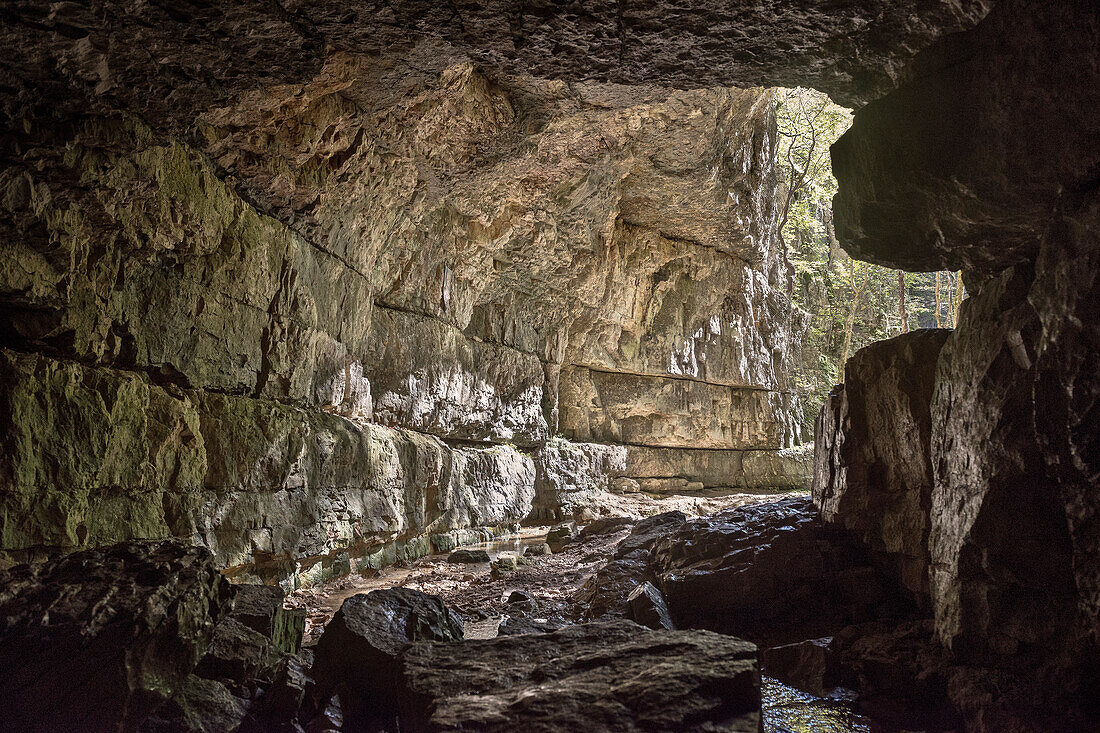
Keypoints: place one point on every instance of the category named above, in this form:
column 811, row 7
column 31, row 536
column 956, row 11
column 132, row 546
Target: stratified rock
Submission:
column 560, row 535
column 808, row 665
column 356, row 656
column 1001, row 587
column 237, row 652
column 569, row 475
column 646, row 606
column 962, row 165
column 765, row 570
column 468, row 556
column 99, row 640
column 873, row 452
column 592, row 677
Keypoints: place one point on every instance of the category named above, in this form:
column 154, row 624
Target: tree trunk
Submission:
column 901, row 303
column 939, row 305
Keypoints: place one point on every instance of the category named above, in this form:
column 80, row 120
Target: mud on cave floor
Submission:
column 549, row 584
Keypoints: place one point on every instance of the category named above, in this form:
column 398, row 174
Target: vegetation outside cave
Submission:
column 850, row 303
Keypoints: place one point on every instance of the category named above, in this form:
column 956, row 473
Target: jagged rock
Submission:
column 540, row 549
column 608, row 592
column 646, row 606
column 506, row 562
column 236, row 652
column 1000, row 587
column 356, row 656
column 514, row 625
column 808, row 665
column 603, row 526
column 199, row 706
column 560, row 535
column 468, row 556
column 591, row 677
column 260, row 608
column 285, row 695
column 873, row 453
column 765, row 570
column 99, row 640
column 901, row 674
column 1012, row 107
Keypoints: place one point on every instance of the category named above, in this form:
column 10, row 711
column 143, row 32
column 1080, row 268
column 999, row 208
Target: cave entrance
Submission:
column 849, row 303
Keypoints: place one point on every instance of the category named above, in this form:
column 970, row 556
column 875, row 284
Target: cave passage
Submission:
column 636, row 367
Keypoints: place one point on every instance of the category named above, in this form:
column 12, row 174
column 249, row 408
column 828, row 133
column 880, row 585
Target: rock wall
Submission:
column 339, row 312
column 985, row 159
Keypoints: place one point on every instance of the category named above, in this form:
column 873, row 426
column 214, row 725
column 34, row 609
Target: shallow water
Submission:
column 788, row 710
column 511, row 543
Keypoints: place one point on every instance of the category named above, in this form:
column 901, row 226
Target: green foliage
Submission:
column 850, row 303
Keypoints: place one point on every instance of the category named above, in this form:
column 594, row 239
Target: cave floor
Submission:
column 481, row 596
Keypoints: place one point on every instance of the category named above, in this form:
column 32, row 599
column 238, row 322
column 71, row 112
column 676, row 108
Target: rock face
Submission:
column 98, row 640
column 591, row 677
column 962, row 165
column 317, row 318
column 872, row 452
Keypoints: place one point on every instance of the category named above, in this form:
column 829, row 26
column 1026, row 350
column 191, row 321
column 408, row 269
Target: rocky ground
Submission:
column 547, row 582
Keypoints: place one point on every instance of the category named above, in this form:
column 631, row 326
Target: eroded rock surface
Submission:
column 591, row 677
column 99, row 640
column 873, row 458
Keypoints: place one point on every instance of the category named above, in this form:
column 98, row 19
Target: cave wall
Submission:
column 985, row 159
column 335, row 313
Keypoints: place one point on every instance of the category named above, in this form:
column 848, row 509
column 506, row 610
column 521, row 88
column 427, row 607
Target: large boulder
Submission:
column 356, row 656
column 766, row 571
column 873, row 453
column 612, row 676
column 100, row 639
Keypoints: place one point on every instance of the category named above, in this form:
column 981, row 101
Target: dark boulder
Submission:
column 767, row 571
column 356, row 656
column 645, row 605
column 808, row 665
column 612, row 676
column 100, row 639
column 872, row 453
column 260, row 608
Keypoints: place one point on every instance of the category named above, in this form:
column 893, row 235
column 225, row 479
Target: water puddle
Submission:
column 788, row 710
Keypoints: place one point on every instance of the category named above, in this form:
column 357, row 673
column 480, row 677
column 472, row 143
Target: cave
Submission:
column 437, row 366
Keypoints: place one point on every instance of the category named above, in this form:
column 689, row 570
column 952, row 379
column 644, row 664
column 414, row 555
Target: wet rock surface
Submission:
column 768, row 571
column 590, row 677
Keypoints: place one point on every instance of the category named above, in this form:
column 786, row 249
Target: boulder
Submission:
column 539, row 549
column 808, row 665
column 506, row 562
column 646, row 606
column 468, row 556
column 356, row 656
column 592, row 677
column 100, row 639
column 766, row 571
column 873, row 457
column 560, row 535
column 260, row 608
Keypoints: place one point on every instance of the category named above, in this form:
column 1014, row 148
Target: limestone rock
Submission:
column 1000, row 587
column 356, row 656
column 590, row 677
column 963, row 164
column 568, row 475
column 560, row 535
column 100, row 639
column 873, row 452
column 765, row 570
column 260, row 608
